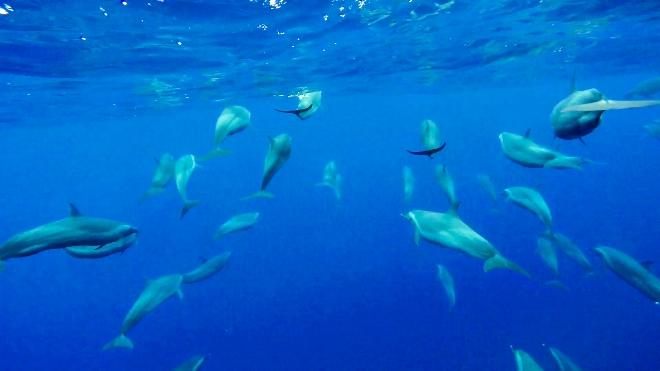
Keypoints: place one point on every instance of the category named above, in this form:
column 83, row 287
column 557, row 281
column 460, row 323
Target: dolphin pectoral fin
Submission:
column 186, row 207
column 100, row 246
column 121, row 341
column 606, row 105
column 73, row 210
column 500, row 262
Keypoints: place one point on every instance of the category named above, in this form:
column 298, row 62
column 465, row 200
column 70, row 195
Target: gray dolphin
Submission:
column 75, row 230
column 408, row 184
column 446, row 182
column 183, row 170
column 631, row 271
column 563, row 362
column 523, row 151
column 162, row 176
column 156, row 292
column 95, row 252
column 531, row 199
column 547, row 252
column 332, row 179
column 571, row 250
column 430, row 135
column 237, row 223
column 524, row 361
column 448, row 230
column 232, row 120
column 487, row 184
column 447, row 281
column 278, row 154
column 192, row 364
column 581, row 112
column 208, row 268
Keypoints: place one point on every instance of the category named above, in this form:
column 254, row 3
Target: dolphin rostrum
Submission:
column 631, row 271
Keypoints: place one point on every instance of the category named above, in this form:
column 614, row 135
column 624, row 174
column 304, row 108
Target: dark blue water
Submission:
column 320, row 284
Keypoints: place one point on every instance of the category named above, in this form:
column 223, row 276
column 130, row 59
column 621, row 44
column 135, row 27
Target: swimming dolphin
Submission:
column 156, row 292
column 645, row 89
column 183, row 169
column 162, row 176
column 581, row 112
column 278, row 154
column 430, row 136
column 523, row 151
column 232, row 120
column 571, row 250
column 531, row 199
column 408, row 183
column 563, row 362
column 487, row 184
column 237, row 223
column 631, row 271
column 446, row 182
column 653, row 129
column 75, row 230
column 208, row 268
column 308, row 104
column 447, row 281
column 193, row 364
column 547, row 252
column 448, row 230
column 332, row 179
column 525, row 362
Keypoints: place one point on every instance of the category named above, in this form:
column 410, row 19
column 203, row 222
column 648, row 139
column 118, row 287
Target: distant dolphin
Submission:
column 446, row 182
column 571, row 250
column 487, row 184
column 193, row 364
column 645, row 89
column 448, row 230
column 232, row 120
column 547, row 252
column 162, row 176
column 447, row 281
column 183, row 169
column 237, row 223
column 523, row 151
column 631, row 271
column 278, row 154
column 207, row 268
column 563, row 362
column 308, row 104
column 580, row 113
column 524, row 361
column 532, row 200
column 408, row 183
column 156, row 292
column 332, row 179
column 74, row 231
column 653, row 129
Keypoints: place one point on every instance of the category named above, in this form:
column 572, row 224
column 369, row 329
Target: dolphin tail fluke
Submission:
column 187, row 206
column 121, row 341
column 216, row 153
column 260, row 194
column 500, row 262
column 296, row 112
column 606, row 105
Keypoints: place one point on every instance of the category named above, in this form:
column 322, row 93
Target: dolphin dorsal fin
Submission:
column 73, row 211
column 528, row 132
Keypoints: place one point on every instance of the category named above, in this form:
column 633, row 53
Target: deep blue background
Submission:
column 319, row 284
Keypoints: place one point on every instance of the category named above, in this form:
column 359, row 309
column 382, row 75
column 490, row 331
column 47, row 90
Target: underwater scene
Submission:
column 330, row 185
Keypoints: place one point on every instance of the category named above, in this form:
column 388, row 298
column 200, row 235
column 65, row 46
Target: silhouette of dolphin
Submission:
column 428, row 152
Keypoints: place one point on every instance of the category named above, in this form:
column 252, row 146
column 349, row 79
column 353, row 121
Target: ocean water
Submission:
column 92, row 93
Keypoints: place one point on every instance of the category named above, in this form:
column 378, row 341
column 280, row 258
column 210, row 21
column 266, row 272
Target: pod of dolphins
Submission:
column 574, row 117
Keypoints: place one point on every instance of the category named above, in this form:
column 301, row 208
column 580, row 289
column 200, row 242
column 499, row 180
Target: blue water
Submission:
column 319, row 284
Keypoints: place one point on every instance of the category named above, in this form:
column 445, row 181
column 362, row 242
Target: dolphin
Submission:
column 332, row 179
column 162, row 176
column 232, row 120
column 447, row 281
column 531, row 199
column 73, row 231
column 446, row 182
column 487, row 184
column 581, row 112
column 278, row 154
column 308, row 104
column 237, row 223
column 430, row 136
column 523, row 151
column 547, row 252
column 525, row 362
column 183, row 169
column 193, row 364
column 156, row 292
column 653, row 129
column 645, row 89
column 408, row 183
column 95, row 252
column 563, row 362
column 448, row 230
column 207, row 268
column 631, row 271
column 571, row 250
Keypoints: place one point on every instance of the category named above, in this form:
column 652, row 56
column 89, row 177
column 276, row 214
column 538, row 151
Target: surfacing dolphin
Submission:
column 232, row 120
column 156, row 292
column 207, row 268
column 237, row 223
column 308, row 104
column 530, row 199
column 162, row 176
column 74, row 231
column 331, row 179
column 581, row 112
column 183, row 170
column 523, row 151
column 630, row 270
column 448, row 230
column 278, row 154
